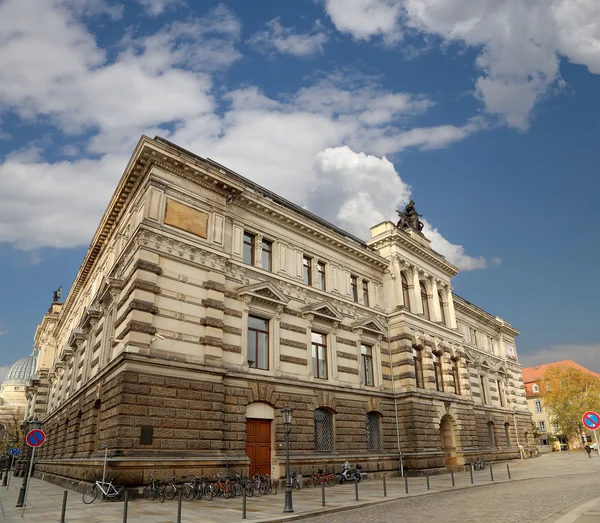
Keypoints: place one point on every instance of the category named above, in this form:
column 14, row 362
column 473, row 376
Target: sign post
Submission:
column 591, row 421
column 35, row 438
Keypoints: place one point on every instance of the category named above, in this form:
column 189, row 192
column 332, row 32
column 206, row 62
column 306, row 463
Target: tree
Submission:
column 567, row 394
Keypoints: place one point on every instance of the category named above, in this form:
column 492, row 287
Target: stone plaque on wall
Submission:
column 186, row 218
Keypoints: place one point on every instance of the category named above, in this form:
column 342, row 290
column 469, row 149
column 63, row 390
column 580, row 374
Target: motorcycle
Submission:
column 350, row 474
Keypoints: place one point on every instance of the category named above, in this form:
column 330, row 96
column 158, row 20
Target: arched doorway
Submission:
column 259, row 417
column 448, row 440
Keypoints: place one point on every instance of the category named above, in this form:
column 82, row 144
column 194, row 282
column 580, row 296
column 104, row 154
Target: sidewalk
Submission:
column 45, row 500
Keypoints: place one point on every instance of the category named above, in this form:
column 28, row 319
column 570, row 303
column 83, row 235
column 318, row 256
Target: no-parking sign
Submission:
column 591, row 420
column 35, row 438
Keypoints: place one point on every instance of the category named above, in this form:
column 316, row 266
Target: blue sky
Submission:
column 485, row 112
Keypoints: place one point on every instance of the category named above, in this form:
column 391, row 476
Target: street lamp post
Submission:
column 32, row 424
column 286, row 413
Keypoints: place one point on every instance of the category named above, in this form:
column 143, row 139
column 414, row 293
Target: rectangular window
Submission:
column 542, row 426
column 307, row 270
column 456, row 377
column 538, row 406
column 366, row 354
column 418, row 362
column 267, row 255
column 365, row 289
column 321, row 275
column 319, row 355
column 249, row 240
column 483, row 391
column 501, row 393
column 258, row 343
column 437, row 371
column 555, row 427
column 354, row 287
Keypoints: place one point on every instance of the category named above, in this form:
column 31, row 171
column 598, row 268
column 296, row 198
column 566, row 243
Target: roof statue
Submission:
column 409, row 218
column 57, row 295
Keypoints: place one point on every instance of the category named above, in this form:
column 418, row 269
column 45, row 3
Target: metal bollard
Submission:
column 491, row 472
column 384, row 488
column 471, row 472
column 125, row 506
column 179, row 505
column 406, row 484
column 508, row 470
column 64, row 507
column 356, row 490
column 427, row 476
column 452, row 476
column 323, row 493
column 243, row 502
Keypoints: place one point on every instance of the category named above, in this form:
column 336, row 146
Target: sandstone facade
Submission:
column 156, row 351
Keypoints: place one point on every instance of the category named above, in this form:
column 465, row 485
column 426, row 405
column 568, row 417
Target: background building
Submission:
column 206, row 303
column 550, row 436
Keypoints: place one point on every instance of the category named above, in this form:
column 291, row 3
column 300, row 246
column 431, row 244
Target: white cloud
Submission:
column 520, row 43
column 156, row 7
column 455, row 254
column 587, row 355
column 284, row 40
column 364, row 19
column 162, row 85
column 3, row 372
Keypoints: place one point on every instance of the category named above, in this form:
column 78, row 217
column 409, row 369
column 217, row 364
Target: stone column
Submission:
column 450, row 302
column 434, row 302
column 276, row 364
column 398, row 294
column 414, row 291
column 309, row 323
column 258, row 250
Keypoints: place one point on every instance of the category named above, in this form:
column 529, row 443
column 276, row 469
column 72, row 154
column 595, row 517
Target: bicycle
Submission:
column 198, row 489
column 108, row 488
column 295, row 481
column 152, row 489
column 321, row 477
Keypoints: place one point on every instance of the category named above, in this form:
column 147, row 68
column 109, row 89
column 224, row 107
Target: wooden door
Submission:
column 258, row 445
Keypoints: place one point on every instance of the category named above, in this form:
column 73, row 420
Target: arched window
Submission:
column 323, row 430
column 405, row 294
column 507, row 434
column 442, row 311
column 424, row 301
column 491, row 438
column 373, row 431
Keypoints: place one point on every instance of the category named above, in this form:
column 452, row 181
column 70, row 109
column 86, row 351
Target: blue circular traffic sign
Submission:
column 591, row 420
column 35, row 438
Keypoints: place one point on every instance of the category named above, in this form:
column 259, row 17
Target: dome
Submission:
column 22, row 370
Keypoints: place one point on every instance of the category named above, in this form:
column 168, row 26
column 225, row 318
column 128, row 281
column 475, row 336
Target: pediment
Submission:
column 76, row 336
column 323, row 310
column 265, row 292
column 370, row 324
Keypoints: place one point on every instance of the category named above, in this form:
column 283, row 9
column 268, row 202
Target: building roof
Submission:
column 22, row 370
column 531, row 375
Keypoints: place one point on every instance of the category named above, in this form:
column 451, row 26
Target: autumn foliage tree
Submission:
column 567, row 394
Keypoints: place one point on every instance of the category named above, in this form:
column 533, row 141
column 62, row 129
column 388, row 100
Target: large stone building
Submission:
column 205, row 303
column 13, row 399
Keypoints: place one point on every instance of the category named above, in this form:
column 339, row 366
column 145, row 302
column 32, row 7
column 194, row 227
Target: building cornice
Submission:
column 462, row 305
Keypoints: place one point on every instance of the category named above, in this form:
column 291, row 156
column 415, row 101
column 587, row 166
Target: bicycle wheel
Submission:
column 147, row 492
column 118, row 494
column 161, row 493
column 170, row 491
column 311, row 482
column 90, row 494
column 249, row 490
column 227, row 492
column 237, row 489
column 208, row 492
column 188, row 492
column 274, row 487
column 330, row 480
column 296, row 484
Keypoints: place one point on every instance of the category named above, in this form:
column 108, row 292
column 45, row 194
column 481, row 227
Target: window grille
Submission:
column 373, row 431
column 323, row 430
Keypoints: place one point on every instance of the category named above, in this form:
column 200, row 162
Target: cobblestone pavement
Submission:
column 547, row 487
column 531, row 501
